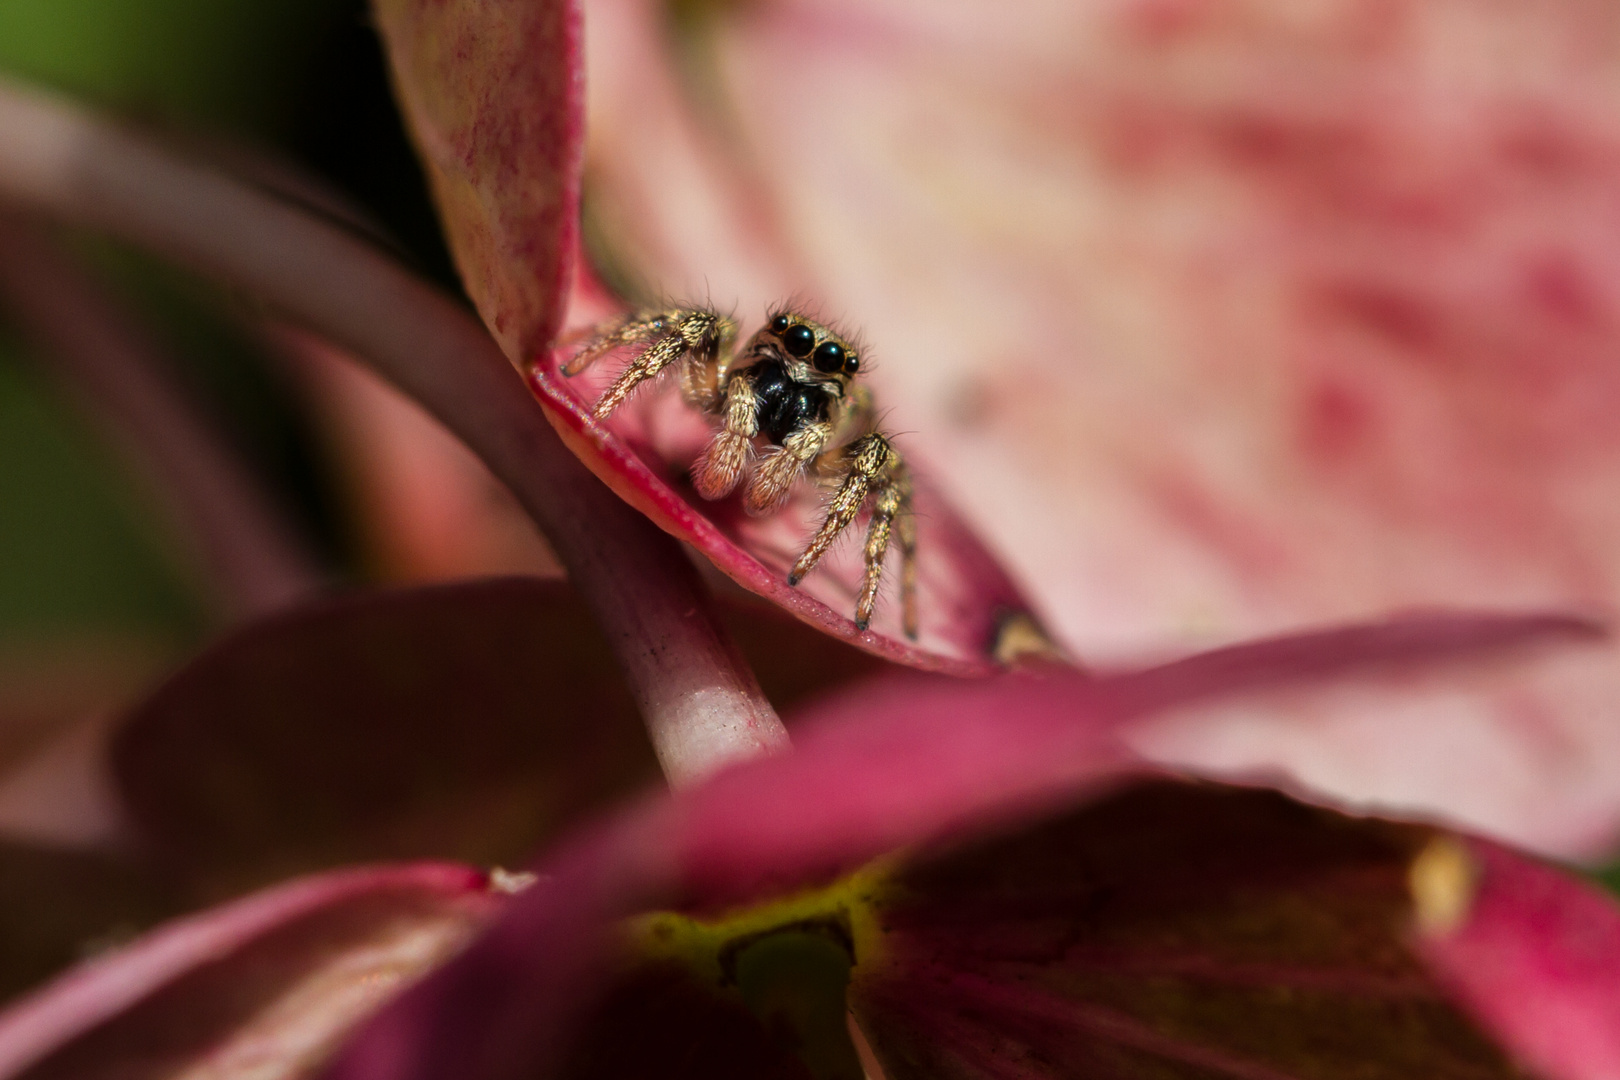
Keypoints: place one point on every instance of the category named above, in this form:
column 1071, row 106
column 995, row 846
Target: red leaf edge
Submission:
column 621, row 469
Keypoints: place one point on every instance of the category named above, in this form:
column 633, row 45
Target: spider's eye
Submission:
column 829, row 358
column 799, row 340
column 779, row 324
column 852, row 364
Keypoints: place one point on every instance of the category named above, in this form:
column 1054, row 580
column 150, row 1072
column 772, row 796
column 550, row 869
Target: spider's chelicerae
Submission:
column 792, row 387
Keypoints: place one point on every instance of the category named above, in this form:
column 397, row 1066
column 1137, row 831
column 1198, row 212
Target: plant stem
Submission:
column 701, row 703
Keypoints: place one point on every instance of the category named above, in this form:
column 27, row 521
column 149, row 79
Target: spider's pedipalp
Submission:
column 769, row 487
column 716, row 471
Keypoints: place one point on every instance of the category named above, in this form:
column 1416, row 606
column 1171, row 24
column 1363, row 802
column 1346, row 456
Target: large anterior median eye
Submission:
column 799, row 340
column 829, row 358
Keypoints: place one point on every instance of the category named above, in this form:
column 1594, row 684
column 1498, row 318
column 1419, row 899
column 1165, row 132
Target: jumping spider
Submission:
column 792, row 385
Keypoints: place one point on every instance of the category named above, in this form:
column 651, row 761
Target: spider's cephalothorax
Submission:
column 791, row 387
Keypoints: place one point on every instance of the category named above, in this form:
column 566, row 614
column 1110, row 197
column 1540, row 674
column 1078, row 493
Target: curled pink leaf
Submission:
column 931, row 755
column 263, row 987
column 972, row 619
column 492, row 95
column 498, row 127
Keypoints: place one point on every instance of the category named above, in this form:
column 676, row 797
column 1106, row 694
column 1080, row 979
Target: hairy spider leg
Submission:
column 905, row 528
column 721, row 464
column 608, row 336
column 697, row 337
column 873, row 468
column 702, row 342
column 628, row 329
column 893, row 498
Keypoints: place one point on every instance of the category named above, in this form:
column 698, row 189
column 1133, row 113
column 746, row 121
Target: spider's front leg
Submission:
column 873, row 467
column 695, row 336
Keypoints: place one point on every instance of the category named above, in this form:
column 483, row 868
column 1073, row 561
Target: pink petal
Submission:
column 467, row 721
column 491, row 91
column 1538, row 961
column 908, row 761
column 965, row 600
column 1215, row 318
column 263, row 987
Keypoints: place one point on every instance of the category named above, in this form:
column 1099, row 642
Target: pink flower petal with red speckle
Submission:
column 491, row 91
column 264, row 987
column 972, row 619
column 918, row 760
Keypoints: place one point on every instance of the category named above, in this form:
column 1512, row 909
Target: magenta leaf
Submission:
column 972, row 618
column 464, row 721
column 492, row 93
column 262, row 988
column 905, row 763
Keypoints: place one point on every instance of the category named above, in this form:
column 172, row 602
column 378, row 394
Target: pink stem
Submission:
column 701, row 703
column 252, row 559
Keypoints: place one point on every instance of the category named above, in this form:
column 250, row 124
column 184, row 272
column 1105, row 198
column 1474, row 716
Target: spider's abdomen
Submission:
column 784, row 405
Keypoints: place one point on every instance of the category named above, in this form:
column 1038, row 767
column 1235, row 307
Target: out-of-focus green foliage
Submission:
column 79, row 548
column 227, row 62
column 73, row 549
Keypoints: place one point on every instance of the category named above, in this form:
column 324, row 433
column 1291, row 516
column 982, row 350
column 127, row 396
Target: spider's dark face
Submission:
column 807, row 342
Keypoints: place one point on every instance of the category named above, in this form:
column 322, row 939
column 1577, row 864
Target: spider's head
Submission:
column 805, row 343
